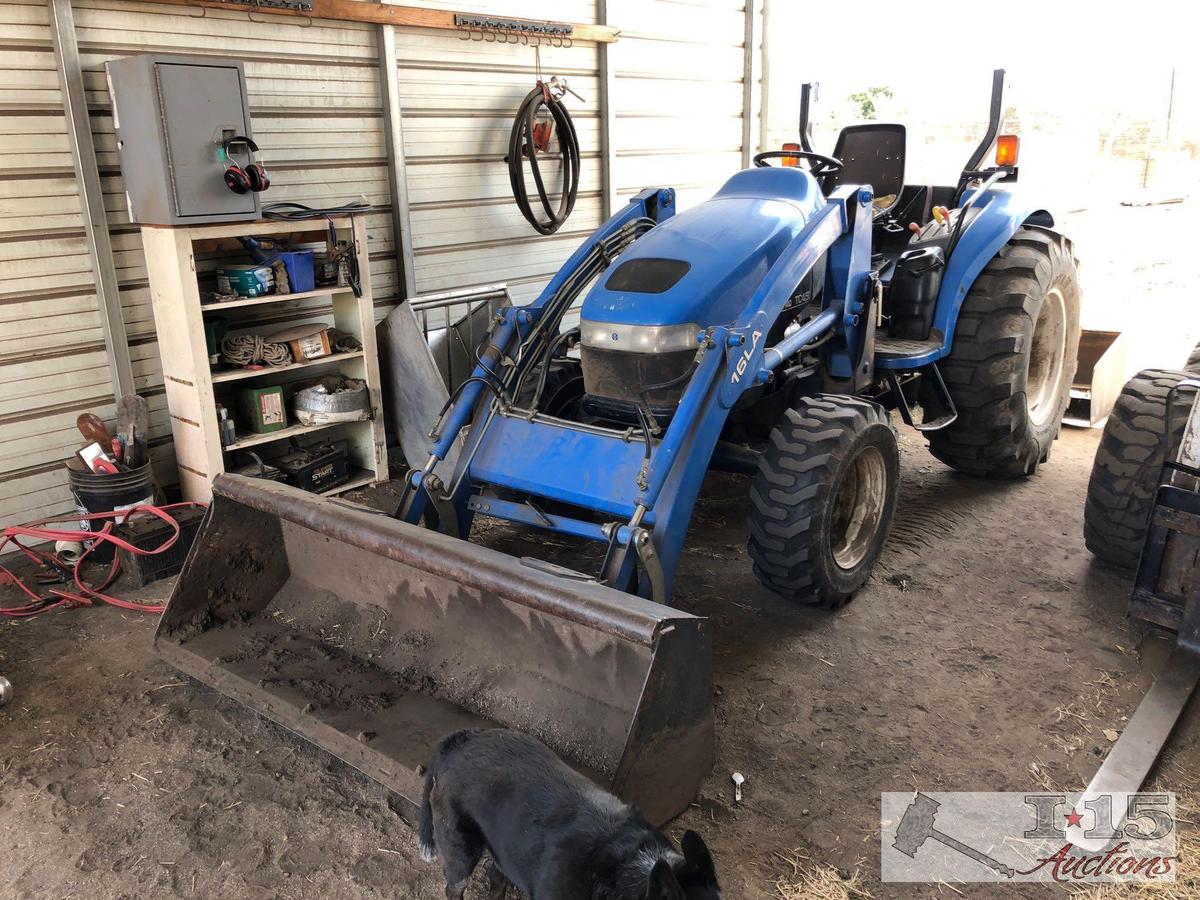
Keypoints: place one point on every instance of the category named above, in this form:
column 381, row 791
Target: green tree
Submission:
column 866, row 100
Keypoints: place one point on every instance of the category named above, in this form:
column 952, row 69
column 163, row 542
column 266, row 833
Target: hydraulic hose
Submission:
column 522, row 145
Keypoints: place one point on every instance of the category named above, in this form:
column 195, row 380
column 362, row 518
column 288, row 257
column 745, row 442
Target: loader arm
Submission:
column 641, row 485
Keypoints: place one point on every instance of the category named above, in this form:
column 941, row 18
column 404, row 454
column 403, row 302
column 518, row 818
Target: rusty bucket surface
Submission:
column 373, row 638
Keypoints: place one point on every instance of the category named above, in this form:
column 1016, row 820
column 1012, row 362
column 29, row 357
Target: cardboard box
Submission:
column 310, row 341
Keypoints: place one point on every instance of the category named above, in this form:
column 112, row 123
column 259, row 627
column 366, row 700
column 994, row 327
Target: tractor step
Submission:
column 939, row 413
column 899, row 353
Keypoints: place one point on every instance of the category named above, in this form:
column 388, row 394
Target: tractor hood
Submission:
column 702, row 266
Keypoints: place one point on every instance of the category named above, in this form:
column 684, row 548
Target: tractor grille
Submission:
column 616, row 375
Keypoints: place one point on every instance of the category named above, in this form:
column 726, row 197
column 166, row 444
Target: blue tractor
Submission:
column 772, row 330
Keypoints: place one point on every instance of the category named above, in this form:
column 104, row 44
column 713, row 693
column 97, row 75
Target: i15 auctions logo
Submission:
column 1057, row 837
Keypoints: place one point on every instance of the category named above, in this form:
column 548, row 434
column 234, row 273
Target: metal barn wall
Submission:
column 676, row 110
column 458, row 99
column 53, row 362
column 678, row 95
column 677, row 103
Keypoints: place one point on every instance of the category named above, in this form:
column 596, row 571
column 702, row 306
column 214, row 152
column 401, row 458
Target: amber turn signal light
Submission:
column 1007, row 146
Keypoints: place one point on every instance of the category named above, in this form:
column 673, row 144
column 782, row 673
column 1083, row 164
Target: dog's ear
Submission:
column 695, row 851
column 663, row 883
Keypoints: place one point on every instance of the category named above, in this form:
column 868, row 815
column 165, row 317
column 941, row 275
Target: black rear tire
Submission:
column 1010, row 368
column 823, row 499
column 1127, row 468
column 562, row 392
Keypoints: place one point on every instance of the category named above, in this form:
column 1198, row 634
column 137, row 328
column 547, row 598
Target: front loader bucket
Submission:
column 373, row 638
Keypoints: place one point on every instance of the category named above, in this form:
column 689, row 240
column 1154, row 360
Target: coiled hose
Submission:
column 521, row 146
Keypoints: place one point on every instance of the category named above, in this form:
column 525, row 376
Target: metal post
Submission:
column 91, row 198
column 397, row 168
column 608, row 120
column 764, row 108
column 749, row 80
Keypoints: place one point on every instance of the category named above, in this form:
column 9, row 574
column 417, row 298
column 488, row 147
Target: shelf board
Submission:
column 242, row 374
column 253, row 440
column 273, row 298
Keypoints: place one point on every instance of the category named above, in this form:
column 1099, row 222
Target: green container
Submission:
column 214, row 333
column 246, row 281
column 263, row 409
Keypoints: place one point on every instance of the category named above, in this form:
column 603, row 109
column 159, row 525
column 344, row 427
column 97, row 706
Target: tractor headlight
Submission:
column 639, row 338
column 631, row 364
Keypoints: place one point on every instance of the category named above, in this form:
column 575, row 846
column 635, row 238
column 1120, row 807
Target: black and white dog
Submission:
column 550, row 831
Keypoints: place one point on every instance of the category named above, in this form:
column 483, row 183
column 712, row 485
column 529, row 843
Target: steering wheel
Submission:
column 819, row 165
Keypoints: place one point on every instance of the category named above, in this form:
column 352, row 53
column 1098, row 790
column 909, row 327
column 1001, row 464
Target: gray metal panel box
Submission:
column 170, row 114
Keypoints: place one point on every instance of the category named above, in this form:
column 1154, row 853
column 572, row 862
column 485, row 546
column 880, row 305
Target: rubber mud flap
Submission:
column 373, row 638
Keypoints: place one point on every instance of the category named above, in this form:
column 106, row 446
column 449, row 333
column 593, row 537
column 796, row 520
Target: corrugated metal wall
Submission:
column 52, row 359
column 677, row 95
column 316, row 101
column 458, row 99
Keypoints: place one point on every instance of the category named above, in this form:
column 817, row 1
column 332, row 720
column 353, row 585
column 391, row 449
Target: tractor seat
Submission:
column 872, row 154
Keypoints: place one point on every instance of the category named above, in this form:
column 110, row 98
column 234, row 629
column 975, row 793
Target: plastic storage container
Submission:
column 300, row 271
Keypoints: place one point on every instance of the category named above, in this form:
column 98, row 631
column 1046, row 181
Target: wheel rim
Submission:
column 1043, row 385
column 858, row 508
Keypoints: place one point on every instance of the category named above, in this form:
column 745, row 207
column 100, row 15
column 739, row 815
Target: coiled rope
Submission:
column 254, row 349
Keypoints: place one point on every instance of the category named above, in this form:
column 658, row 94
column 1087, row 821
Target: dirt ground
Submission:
column 989, row 652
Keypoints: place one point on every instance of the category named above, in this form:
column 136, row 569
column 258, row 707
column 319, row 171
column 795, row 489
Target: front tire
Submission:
column 1010, row 368
column 823, row 499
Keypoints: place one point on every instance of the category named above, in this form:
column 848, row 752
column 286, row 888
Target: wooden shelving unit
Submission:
column 192, row 385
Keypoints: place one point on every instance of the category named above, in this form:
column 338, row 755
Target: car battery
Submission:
column 316, row 469
column 259, row 469
column 147, row 532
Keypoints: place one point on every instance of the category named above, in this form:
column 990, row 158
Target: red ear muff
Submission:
column 237, row 180
column 259, row 178
column 243, row 180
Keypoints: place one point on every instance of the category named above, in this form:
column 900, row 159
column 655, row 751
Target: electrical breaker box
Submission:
column 170, row 114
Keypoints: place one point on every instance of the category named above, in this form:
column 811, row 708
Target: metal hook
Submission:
column 203, row 12
column 570, row 43
column 250, row 16
column 464, row 33
column 479, row 39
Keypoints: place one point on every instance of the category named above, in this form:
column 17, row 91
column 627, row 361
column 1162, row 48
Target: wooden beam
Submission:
column 388, row 14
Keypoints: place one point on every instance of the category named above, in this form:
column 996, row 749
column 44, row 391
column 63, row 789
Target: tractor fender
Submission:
column 1000, row 214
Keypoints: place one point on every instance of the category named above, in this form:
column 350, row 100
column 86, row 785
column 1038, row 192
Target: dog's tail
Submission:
column 445, row 747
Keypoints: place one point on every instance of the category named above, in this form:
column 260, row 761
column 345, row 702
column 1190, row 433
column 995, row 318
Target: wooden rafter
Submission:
column 388, row 14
